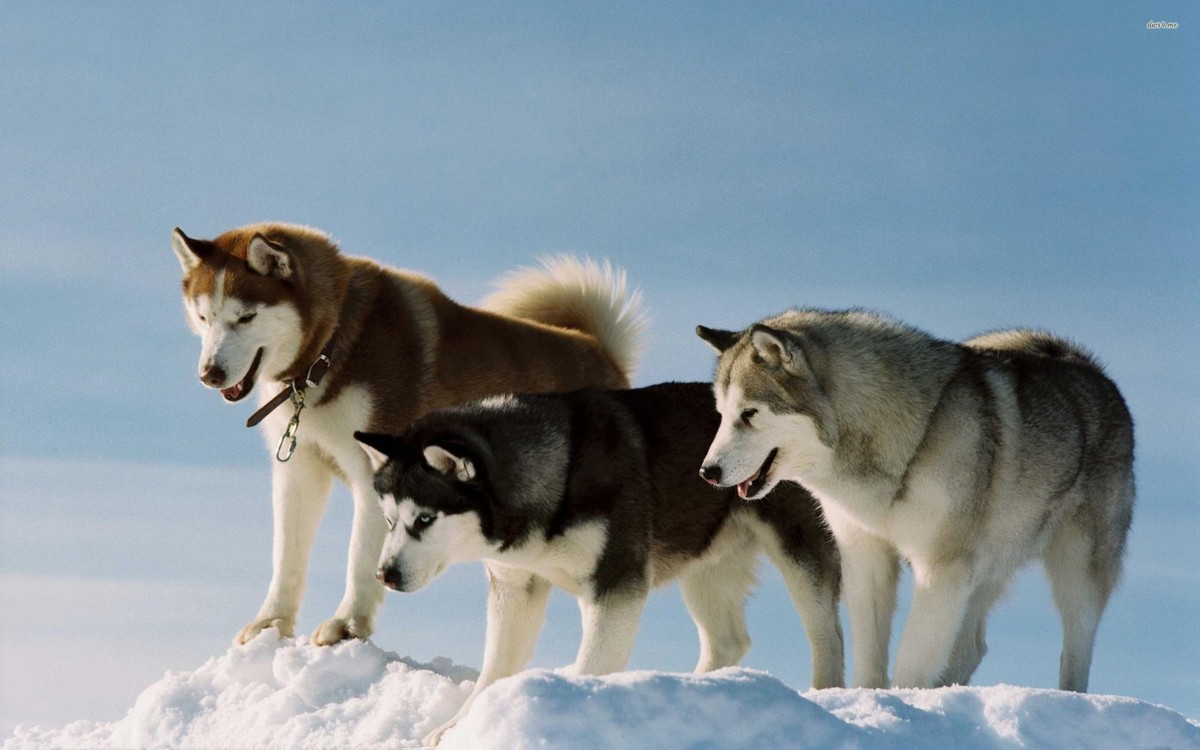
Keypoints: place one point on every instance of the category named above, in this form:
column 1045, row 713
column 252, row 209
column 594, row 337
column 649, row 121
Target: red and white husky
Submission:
column 339, row 344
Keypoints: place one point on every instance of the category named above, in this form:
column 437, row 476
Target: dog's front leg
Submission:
column 516, row 610
column 940, row 595
column 870, row 569
column 299, row 491
column 355, row 616
column 610, row 625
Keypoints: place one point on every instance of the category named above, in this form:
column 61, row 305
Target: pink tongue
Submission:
column 232, row 391
column 744, row 487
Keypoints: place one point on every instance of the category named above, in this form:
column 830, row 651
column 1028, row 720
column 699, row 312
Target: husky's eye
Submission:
column 246, row 318
column 202, row 318
column 423, row 521
column 748, row 415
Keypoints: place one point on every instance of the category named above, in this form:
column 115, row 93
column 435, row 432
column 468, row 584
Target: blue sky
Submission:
column 963, row 168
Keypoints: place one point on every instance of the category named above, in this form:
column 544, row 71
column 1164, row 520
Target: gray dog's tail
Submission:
column 1038, row 343
column 579, row 294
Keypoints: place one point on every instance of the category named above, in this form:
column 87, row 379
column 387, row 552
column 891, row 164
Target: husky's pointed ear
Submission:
column 378, row 447
column 718, row 339
column 186, row 249
column 446, row 462
column 268, row 259
column 776, row 348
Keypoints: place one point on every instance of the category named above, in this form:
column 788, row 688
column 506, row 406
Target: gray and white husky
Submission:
column 966, row 460
column 596, row 492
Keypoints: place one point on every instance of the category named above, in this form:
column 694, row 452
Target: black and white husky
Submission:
column 597, row 492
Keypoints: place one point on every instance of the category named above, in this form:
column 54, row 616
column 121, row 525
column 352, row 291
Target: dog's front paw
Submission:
column 433, row 738
column 285, row 625
column 338, row 629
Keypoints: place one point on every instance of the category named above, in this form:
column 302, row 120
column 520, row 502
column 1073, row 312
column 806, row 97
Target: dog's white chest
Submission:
column 329, row 427
column 569, row 561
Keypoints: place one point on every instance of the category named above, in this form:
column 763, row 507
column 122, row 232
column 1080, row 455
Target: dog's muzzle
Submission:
column 391, row 577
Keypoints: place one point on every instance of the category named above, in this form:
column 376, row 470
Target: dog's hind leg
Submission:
column 715, row 594
column 971, row 644
column 1081, row 583
column 1083, row 562
column 515, row 611
column 814, row 592
column 299, row 492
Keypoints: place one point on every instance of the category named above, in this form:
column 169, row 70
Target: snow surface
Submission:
column 283, row 692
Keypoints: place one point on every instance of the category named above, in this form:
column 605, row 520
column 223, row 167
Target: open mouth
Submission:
column 238, row 390
column 754, row 484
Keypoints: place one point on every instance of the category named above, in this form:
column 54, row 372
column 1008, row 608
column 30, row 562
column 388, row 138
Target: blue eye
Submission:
column 423, row 521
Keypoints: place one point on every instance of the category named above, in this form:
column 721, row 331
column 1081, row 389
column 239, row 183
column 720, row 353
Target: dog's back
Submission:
column 566, row 326
column 1053, row 368
column 1070, row 418
column 1072, row 432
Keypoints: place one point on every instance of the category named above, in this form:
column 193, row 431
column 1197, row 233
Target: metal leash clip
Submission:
column 289, row 435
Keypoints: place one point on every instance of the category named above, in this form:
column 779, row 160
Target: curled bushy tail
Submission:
column 1039, row 343
column 583, row 295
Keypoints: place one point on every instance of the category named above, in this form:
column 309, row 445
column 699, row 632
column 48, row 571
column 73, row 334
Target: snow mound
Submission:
column 729, row 708
column 741, row 708
column 282, row 692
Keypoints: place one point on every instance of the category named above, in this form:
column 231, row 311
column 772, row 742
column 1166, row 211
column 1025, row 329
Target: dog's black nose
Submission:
column 711, row 473
column 212, row 376
column 391, row 578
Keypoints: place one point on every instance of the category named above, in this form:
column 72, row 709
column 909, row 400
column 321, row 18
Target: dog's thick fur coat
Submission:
column 966, row 460
column 596, row 492
column 268, row 299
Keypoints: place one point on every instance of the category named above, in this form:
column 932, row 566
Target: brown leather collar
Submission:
column 311, row 379
column 351, row 310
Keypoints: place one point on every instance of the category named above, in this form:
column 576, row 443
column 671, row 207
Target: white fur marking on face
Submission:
column 741, row 451
column 807, row 456
column 728, row 449
column 217, row 301
column 231, row 343
column 449, row 539
column 279, row 329
column 390, row 509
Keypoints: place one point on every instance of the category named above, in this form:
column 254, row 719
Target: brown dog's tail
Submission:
column 582, row 295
